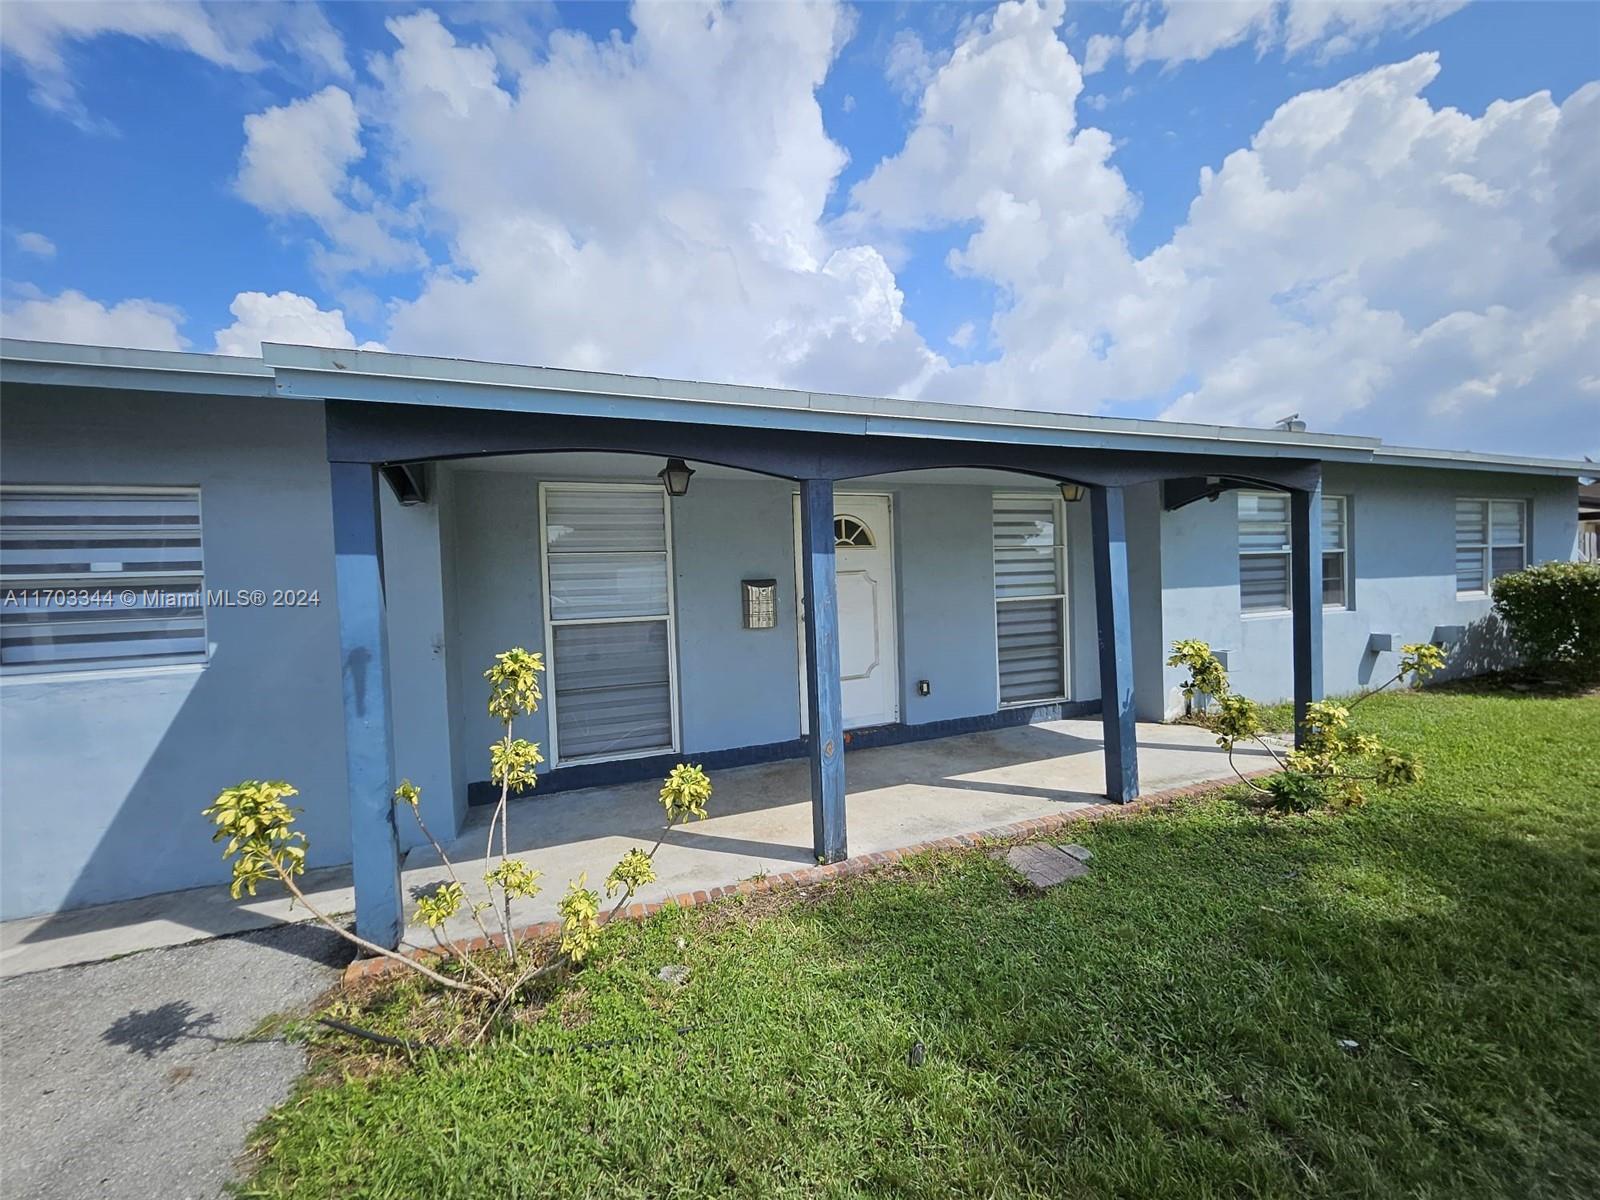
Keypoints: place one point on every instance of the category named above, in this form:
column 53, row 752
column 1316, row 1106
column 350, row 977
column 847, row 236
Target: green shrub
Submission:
column 1333, row 763
column 1552, row 612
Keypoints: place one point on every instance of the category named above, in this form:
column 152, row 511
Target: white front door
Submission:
column 869, row 678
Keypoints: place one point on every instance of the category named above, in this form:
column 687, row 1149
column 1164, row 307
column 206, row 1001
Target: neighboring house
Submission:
column 957, row 585
column 1589, row 522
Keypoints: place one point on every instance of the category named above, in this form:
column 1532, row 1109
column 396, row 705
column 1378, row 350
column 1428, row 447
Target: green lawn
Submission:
column 1167, row 1026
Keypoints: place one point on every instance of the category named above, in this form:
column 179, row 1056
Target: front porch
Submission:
column 609, row 607
column 760, row 822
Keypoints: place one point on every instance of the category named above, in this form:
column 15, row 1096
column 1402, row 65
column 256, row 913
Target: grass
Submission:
column 1167, row 1026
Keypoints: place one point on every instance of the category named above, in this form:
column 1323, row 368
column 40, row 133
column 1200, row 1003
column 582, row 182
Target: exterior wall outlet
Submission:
column 924, row 688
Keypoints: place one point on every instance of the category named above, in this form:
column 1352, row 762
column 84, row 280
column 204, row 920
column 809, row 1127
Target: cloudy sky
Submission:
column 1381, row 214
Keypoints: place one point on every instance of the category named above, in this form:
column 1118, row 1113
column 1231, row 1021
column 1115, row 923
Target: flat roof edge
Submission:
column 1471, row 460
column 60, row 364
column 76, row 365
column 129, row 358
column 376, row 365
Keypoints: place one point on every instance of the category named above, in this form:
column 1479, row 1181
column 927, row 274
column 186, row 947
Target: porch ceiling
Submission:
column 761, row 816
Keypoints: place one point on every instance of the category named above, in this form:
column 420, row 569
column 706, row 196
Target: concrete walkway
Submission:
column 142, row 1077
column 104, row 931
column 760, row 822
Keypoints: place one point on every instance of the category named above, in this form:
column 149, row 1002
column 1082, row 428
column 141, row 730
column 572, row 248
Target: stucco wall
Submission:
column 1144, row 521
column 1082, row 647
column 947, row 622
column 1402, row 536
column 103, row 776
column 946, row 584
column 419, row 660
column 736, row 686
column 493, row 531
column 740, row 687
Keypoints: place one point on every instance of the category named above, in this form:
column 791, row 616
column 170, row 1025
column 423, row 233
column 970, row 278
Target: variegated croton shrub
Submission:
column 256, row 822
column 1334, row 764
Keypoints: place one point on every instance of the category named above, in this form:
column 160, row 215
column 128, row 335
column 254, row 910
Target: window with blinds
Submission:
column 608, row 606
column 100, row 577
column 1030, row 598
column 1335, row 552
column 1263, row 552
column 1491, row 541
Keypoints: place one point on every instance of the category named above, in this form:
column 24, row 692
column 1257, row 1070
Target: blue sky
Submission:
column 767, row 222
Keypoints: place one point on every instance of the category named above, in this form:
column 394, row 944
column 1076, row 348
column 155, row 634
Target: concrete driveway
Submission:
column 133, row 1078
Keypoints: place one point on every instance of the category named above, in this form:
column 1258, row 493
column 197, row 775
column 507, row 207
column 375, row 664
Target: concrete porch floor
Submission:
column 760, row 822
column 760, row 817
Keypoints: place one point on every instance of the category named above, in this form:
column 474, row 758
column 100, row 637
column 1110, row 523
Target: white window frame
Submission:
column 1287, row 554
column 1063, row 573
column 1347, row 576
column 1589, row 541
column 1489, row 545
column 552, row 668
column 117, row 580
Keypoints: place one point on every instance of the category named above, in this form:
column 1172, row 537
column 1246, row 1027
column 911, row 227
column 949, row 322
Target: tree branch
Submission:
column 1249, row 783
column 449, row 867
column 453, row 950
column 373, row 947
column 1371, row 692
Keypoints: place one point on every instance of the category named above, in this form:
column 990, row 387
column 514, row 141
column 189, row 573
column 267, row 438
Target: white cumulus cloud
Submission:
column 1192, row 30
column 1369, row 259
column 284, row 317
column 296, row 163
column 73, row 317
column 1101, row 48
column 660, row 203
column 654, row 204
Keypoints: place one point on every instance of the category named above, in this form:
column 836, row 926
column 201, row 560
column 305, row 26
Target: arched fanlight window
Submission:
column 847, row 531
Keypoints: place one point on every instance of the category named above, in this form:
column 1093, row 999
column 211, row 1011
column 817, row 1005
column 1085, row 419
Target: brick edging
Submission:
column 376, row 967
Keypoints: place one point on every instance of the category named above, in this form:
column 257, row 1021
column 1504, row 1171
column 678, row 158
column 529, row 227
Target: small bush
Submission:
column 1332, row 762
column 256, row 822
column 1553, row 614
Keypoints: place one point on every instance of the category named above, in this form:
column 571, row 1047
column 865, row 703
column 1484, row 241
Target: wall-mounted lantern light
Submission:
column 675, row 477
column 1073, row 492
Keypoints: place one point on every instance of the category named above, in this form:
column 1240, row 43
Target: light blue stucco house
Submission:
column 298, row 567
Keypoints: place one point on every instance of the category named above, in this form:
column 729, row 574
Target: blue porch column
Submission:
column 1305, row 597
column 1115, row 634
column 368, row 737
column 824, row 711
